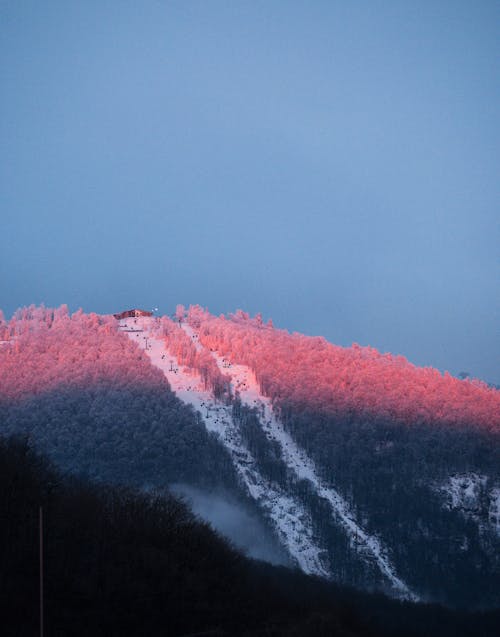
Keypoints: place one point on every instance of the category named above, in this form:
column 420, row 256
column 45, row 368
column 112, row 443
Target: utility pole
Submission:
column 40, row 525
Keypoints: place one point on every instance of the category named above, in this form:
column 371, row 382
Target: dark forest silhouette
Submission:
column 122, row 563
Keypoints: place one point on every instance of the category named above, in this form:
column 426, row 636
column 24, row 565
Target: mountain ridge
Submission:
column 355, row 493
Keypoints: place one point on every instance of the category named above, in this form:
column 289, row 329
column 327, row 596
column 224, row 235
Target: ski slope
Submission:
column 291, row 521
column 287, row 514
column 243, row 381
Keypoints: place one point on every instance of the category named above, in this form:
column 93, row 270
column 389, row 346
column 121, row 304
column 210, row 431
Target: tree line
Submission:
column 122, row 563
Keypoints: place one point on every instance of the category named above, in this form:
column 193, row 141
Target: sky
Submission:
column 332, row 165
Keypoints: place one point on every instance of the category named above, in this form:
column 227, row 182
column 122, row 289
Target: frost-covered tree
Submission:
column 303, row 371
column 180, row 312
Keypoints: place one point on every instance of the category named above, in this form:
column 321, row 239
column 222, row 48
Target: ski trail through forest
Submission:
column 287, row 514
column 244, row 382
column 289, row 517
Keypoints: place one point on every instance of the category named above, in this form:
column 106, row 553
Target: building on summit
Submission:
column 132, row 314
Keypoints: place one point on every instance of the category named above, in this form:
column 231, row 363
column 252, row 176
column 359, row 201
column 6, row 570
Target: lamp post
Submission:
column 40, row 526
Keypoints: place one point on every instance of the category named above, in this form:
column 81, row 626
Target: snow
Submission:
column 464, row 490
column 243, row 380
column 466, row 493
column 494, row 510
column 292, row 523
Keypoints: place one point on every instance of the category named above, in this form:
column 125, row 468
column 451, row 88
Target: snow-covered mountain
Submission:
column 367, row 470
column 288, row 515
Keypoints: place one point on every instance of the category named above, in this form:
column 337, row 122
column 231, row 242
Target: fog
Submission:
column 235, row 521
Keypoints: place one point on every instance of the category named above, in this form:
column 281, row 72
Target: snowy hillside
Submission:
column 290, row 519
column 365, row 470
column 288, row 516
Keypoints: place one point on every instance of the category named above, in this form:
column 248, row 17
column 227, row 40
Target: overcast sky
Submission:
column 333, row 165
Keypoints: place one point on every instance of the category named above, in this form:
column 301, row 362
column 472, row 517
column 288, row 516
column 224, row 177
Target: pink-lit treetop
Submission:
column 182, row 347
column 47, row 348
column 43, row 348
column 305, row 372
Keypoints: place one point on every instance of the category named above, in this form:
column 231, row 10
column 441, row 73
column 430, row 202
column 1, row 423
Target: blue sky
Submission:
column 333, row 165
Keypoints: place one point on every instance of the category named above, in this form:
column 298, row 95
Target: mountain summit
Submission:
column 365, row 469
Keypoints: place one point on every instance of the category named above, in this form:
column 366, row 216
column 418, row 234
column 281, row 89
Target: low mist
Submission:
column 235, row 521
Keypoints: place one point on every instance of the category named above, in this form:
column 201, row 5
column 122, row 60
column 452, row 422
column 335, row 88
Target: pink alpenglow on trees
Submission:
column 182, row 347
column 49, row 348
column 308, row 373
column 44, row 348
column 180, row 312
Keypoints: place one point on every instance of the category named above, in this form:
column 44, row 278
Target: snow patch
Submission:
column 470, row 494
column 494, row 509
